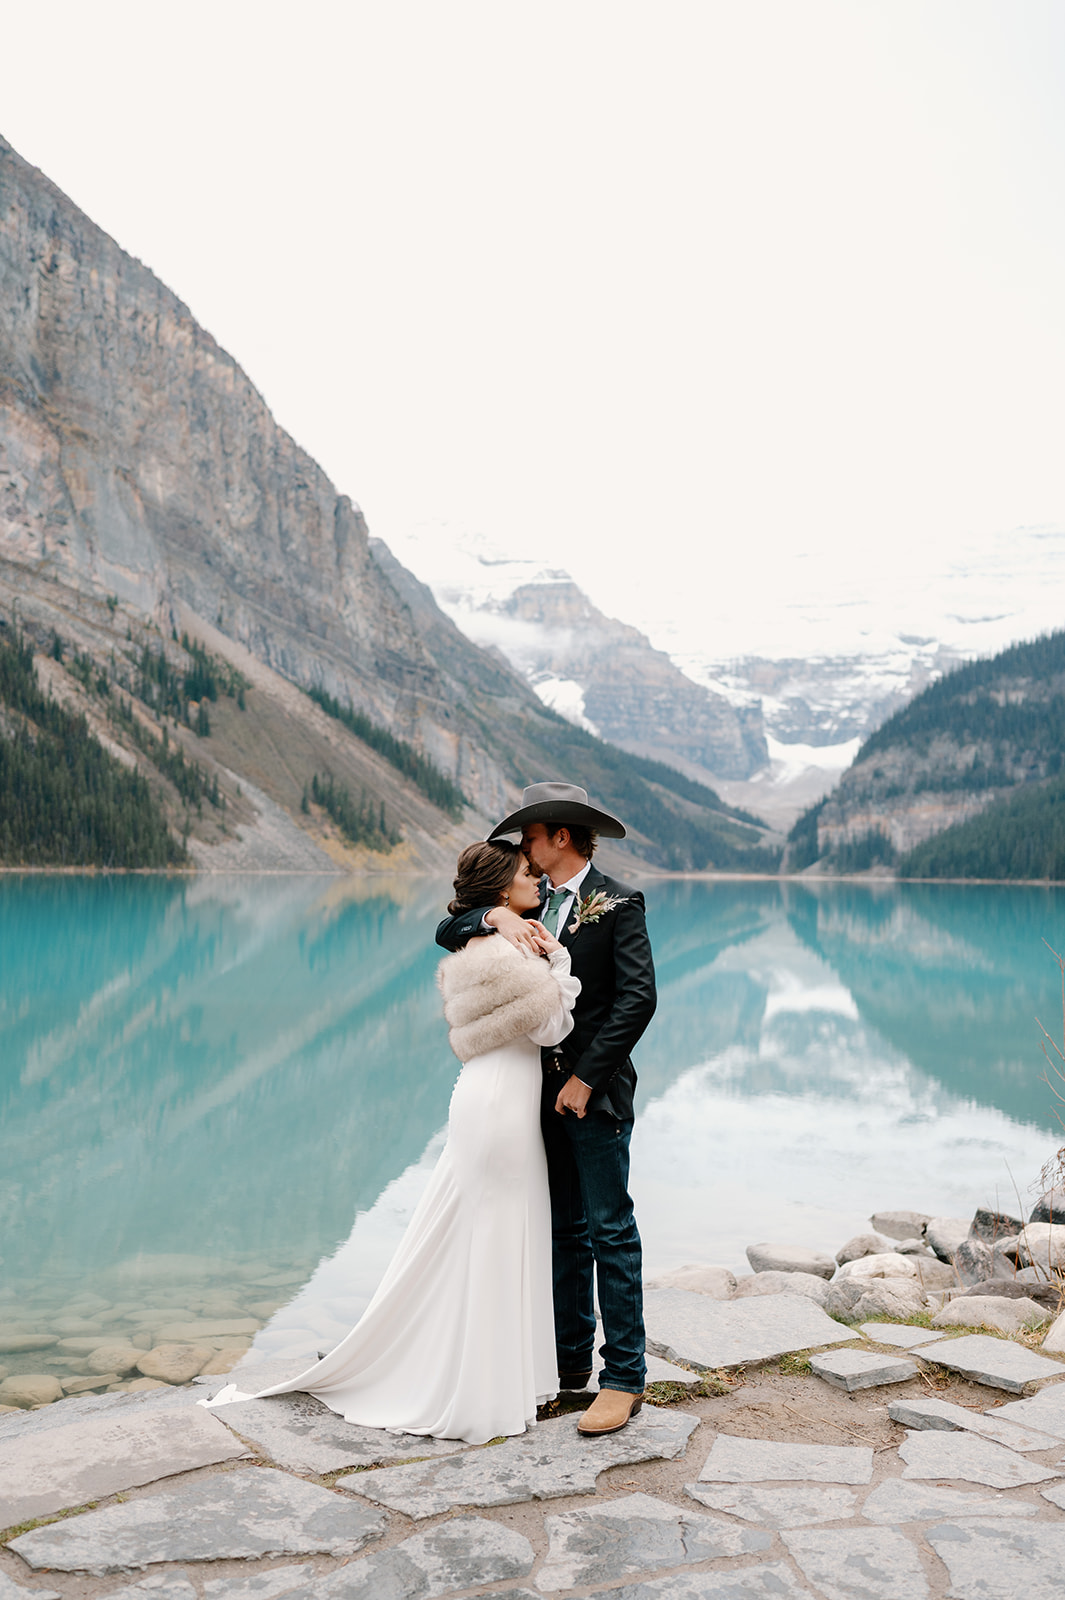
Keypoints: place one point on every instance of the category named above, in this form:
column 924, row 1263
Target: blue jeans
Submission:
column 594, row 1228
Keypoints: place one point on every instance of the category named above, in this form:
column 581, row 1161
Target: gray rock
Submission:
column 945, row 1234
column 935, row 1274
column 797, row 1507
column 551, row 1461
column 301, row 1433
column 1043, row 1293
column 858, row 1299
column 760, row 1283
column 173, row 1584
column 859, row 1563
column 30, row 1389
column 735, row 1460
column 912, row 1247
column 718, row 1282
column 861, row 1369
column 889, row 1264
column 997, row 1362
column 973, row 1261
column 1042, row 1244
column 990, row 1224
column 897, row 1500
column 900, row 1224
column 990, row 1311
column 636, row 1534
column 20, row 1425
column 260, row 1585
column 789, row 1258
column 770, row 1582
column 10, row 1590
column 1050, row 1207
column 965, row 1455
column 864, row 1244
column 708, row 1333
column 987, row 1560
column 1004, row 1257
column 1045, row 1410
column 1054, row 1340
column 1055, row 1494
column 174, row 1363
column 460, row 1554
column 924, row 1413
column 659, row 1371
column 99, row 1455
column 897, row 1333
column 247, row 1513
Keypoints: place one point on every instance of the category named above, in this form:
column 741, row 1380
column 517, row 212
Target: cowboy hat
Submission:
column 561, row 803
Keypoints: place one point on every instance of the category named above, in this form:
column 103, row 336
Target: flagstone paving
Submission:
column 989, row 1562
column 249, row 1512
column 301, row 1433
column 925, row 1412
column 693, row 1328
column 734, row 1460
column 636, row 1534
column 967, row 1456
column 861, row 1369
column 715, row 1500
column 552, row 1461
column 795, row 1507
column 997, row 1362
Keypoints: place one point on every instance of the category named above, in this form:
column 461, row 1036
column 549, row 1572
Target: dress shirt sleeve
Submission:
column 560, row 1023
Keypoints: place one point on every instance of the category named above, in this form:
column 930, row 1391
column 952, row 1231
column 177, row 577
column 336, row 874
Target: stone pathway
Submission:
column 871, row 1482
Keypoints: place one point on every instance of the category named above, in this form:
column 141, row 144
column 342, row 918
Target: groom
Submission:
column 586, row 1110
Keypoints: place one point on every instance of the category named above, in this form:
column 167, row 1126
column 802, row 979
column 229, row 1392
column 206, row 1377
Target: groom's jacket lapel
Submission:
column 593, row 880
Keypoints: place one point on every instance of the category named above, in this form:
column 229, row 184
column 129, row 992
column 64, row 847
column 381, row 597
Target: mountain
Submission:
column 186, row 576
column 600, row 673
column 963, row 782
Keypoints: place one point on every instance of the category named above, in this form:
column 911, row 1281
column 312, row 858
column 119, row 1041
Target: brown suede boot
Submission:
column 609, row 1411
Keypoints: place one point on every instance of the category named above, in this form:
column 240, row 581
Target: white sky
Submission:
column 705, row 299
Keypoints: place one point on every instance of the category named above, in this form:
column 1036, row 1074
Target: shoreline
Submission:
column 642, row 872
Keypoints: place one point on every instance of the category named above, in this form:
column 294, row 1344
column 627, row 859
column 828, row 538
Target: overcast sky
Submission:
column 702, row 298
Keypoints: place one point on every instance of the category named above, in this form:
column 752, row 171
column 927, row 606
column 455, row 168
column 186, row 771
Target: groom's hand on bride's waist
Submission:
column 573, row 1096
column 523, row 935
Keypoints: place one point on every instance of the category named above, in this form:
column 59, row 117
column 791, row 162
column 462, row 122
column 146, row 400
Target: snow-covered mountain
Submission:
column 598, row 672
column 816, row 661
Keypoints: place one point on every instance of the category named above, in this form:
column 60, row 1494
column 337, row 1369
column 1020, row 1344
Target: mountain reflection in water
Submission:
column 234, row 1068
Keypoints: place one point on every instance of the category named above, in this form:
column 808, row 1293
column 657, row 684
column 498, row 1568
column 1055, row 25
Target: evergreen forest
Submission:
column 64, row 800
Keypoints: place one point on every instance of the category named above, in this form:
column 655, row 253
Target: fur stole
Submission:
column 493, row 995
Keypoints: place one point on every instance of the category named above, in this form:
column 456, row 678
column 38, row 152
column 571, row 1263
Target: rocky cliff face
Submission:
column 632, row 693
column 138, row 460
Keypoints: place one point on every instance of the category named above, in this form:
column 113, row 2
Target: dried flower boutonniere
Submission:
column 595, row 906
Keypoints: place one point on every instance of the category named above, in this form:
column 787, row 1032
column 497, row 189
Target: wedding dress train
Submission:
column 458, row 1341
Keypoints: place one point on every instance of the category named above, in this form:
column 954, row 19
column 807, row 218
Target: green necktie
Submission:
column 554, row 906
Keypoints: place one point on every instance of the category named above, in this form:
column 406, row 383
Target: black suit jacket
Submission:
column 612, row 958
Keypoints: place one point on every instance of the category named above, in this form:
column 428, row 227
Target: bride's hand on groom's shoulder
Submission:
column 515, row 930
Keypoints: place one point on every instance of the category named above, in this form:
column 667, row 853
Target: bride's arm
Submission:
column 560, row 1022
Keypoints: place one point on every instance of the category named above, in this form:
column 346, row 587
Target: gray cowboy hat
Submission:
column 561, row 803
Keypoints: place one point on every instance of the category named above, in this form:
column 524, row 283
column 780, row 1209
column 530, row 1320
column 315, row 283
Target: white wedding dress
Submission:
column 458, row 1341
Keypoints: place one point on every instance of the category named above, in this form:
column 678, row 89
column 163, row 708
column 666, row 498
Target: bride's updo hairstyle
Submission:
column 485, row 872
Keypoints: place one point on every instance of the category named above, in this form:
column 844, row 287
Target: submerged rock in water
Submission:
column 30, row 1389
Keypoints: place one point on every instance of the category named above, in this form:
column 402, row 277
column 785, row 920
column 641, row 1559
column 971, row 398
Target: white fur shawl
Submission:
column 493, row 995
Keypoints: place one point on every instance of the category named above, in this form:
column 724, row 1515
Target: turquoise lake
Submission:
column 229, row 1091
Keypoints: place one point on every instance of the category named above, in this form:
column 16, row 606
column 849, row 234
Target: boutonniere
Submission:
column 595, row 906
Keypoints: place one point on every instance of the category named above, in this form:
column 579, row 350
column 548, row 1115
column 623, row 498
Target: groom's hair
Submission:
column 583, row 840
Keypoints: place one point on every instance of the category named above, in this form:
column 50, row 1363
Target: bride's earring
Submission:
column 506, row 899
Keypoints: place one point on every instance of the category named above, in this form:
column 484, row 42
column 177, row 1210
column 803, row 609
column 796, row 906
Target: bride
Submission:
column 458, row 1341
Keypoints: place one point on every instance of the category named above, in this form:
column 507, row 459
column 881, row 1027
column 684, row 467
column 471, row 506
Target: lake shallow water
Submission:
column 228, row 1092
